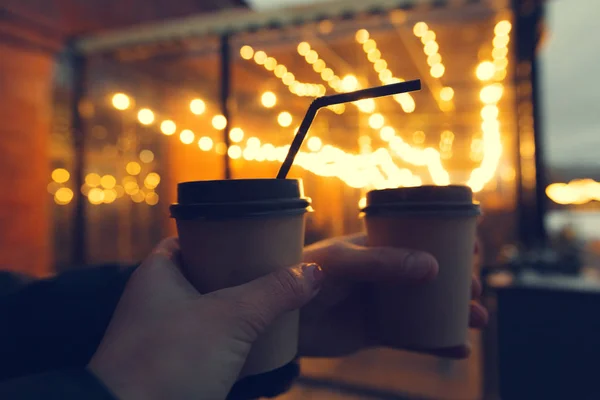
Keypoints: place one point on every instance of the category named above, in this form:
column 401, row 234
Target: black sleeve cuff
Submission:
column 71, row 384
column 270, row 384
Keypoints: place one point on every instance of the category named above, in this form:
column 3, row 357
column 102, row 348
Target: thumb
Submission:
column 380, row 264
column 260, row 302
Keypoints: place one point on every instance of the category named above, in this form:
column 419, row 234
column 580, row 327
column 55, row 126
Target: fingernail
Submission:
column 313, row 272
column 421, row 266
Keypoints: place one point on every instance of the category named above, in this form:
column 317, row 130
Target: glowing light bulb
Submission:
column 247, row 52
column 438, row 70
column 168, row 127
column 60, row 175
column 236, row 135
column 63, row 196
column 219, row 122
column 447, row 93
column 133, row 168
column 234, row 152
column 485, row 71
column 369, row 45
column 380, row 65
column 146, row 116
column 205, row 143
column 492, row 93
column 500, row 41
column 387, row 133
column 314, row 143
column 311, row 57
column 319, row 66
column 92, row 180
column 434, row 59
column 376, row 121
column 431, row 48
column 121, row 101
column 288, row 78
column 327, row 74
column 260, row 57
column 280, row 70
column 284, row 119
column 186, row 136
column 349, row 83
column 108, row 181
column 303, row 48
column 270, row 64
column 197, row 106
column 374, row 55
column 502, row 28
column 420, row 29
column 268, row 99
column 362, row 35
column 429, row 36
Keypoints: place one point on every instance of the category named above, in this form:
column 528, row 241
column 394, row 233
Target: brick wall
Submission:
column 25, row 87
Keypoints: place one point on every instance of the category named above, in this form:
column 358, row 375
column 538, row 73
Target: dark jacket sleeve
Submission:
column 50, row 329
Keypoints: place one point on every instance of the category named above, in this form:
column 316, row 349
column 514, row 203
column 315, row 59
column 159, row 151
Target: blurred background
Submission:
column 107, row 105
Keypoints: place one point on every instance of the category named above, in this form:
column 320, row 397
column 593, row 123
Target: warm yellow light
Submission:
column 186, row 136
column 447, row 93
column 500, row 75
column 502, row 28
column 366, row 105
column 431, row 48
column 145, row 116
column 314, row 143
column 53, row 187
column 270, row 64
column 485, row 71
column 146, row 156
column 152, row 180
column 429, row 36
column 490, row 112
column 280, row 70
column 236, row 135
column 501, row 41
column 96, row 196
column 110, row 195
column 63, row 196
column 197, row 106
column 374, row 55
column 500, row 63
column 387, row 133
column 349, row 83
column 311, row 57
column 499, row 52
column 268, row 99
column 303, row 48
column 288, row 78
column 380, row 65
column 121, row 101
column 260, row 57
column 284, row 119
column 133, row 168
column 362, row 35
column 327, row 74
column 492, row 93
column 434, row 59
column 92, row 180
column 438, row 70
column 60, row 175
column 138, row 197
column 376, row 121
column 152, row 199
column 419, row 137
column 234, row 152
column 205, row 143
column 420, row 29
column 168, row 127
column 385, row 75
column 219, row 122
column 319, row 66
column 369, row 46
column 108, row 181
column 253, row 142
column 247, row 52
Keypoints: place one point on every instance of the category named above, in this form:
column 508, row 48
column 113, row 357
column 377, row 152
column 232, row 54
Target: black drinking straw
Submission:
column 326, row 101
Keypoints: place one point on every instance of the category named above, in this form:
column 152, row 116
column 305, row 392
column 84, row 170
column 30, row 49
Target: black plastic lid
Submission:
column 453, row 199
column 238, row 198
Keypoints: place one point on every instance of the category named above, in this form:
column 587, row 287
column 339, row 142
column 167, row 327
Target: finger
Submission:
column 261, row 301
column 476, row 288
column 478, row 316
column 380, row 264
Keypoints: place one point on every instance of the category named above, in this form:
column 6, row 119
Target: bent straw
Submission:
column 325, row 101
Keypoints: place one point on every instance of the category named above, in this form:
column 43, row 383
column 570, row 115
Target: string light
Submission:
column 205, row 143
column 268, row 99
column 186, row 136
column 197, row 106
column 485, row 71
column 146, row 156
column 284, row 119
column 146, row 116
column 63, row 196
column 314, row 143
column 168, row 127
column 60, row 175
column 447, row 93
column 219, row 122
column 236, row 135
column 430, row 48
column 133, row 168
column 108, row 182
column 576, row 192
column 247, row 52
column 121, row 101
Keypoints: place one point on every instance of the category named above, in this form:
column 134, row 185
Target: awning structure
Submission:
column 243, row 20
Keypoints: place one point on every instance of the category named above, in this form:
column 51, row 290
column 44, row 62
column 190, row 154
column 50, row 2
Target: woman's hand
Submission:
column 166, row 341
column 335, row 322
